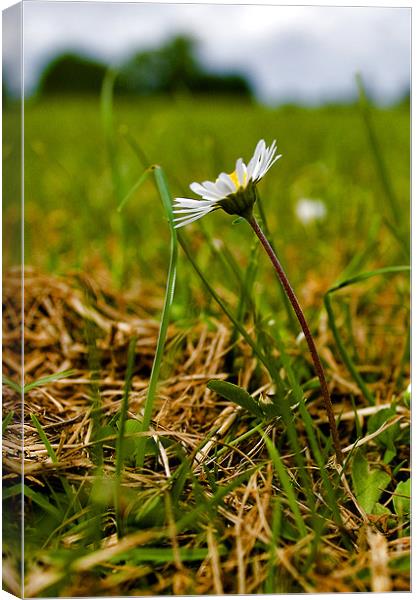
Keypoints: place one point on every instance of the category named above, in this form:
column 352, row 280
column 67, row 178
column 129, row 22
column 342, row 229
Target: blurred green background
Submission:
column 91, row 131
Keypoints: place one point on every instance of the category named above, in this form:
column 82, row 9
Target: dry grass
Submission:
column 61, row 315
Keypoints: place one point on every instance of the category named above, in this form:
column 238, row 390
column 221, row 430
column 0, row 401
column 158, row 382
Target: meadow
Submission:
column 199, row 460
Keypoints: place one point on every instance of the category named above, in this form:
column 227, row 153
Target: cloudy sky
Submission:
column 307, row 54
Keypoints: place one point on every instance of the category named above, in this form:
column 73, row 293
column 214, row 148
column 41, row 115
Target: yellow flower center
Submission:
column 233, row 176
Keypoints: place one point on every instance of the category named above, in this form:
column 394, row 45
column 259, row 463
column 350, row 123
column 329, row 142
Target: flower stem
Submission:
column 306, row 330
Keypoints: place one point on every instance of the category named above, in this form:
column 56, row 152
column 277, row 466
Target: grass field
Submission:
column 140, row 478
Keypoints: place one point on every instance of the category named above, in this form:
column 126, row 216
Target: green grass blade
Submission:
column 51, row 453
column 344, row 353
column 165, row 196
column 42, row 435
column 48, row 379
column 13, row 490
column 12, row 384
column 6, row 421
column 166, row 555
column 319, row 457
column 133, row 189
column 257, row 351
column 291, row 430
column 376, row 151
column 106, row 101
column 277, row 516
column 368, row 275
column 292, row 320
column 235, row 394
column 332, row 322
column 121, row 432
column 215, row 500
column 41, row 501
column 286, row 484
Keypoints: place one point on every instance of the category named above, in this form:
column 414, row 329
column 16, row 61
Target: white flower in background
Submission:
column 234, row 193
column 308, row 210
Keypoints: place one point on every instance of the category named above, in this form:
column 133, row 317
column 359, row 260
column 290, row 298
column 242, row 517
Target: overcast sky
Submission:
column 307, row 54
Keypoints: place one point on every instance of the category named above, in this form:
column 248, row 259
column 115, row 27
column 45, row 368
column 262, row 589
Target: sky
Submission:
column 306, row 54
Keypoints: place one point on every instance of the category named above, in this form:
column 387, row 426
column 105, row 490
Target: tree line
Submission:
column 169, row 69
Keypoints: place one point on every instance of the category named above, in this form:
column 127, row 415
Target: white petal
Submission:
column 212, row 189
column 187, row 211
column 257, row 159
column 192, row 213
column 267, row 166
column 254, row 161
column 202, row 191
column 241, row 171
column 182, row 221
column 267, row 160
column 189, row 203
column 225, row 178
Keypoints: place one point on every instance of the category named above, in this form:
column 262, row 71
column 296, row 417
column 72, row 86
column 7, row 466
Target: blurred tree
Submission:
column 72, row 73
column 174, row 67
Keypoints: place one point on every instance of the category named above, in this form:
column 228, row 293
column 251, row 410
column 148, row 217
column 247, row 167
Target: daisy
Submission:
column 234, row 193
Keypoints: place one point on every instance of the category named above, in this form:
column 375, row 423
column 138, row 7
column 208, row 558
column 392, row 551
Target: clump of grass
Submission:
column 219, row 532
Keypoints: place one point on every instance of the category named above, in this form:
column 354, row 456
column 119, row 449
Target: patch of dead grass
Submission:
column 57, row 311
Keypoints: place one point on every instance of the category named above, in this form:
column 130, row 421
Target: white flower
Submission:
column 309, row 210
column 235, row 193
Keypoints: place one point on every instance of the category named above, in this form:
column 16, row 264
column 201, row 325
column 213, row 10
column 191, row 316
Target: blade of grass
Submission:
column 332, row 322
column 45, row 441
column 257, row 351
column 292, row 321
column 133, row 189
column 6, row 421
column 52, row 455
column 120, row 261
column 359, row 258
column 106, row 101
column 191, row 517
column 120, row 435
column 320, row 457
column 163, row 190
column 166, row 555
column 291, row 430
column 12, row 384
column 376, row 150
column 48, row 379
column 286, row 484
column 277, row 516
column 41, row 501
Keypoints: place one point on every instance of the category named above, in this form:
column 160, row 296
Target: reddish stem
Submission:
column 306, row 330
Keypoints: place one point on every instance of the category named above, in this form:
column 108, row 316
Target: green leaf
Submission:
column 401, row 498
column 368, row 484
column 235, row 394
column 387, row 438
column 380, row 509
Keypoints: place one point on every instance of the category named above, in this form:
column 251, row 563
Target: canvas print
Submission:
column 206, row 299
